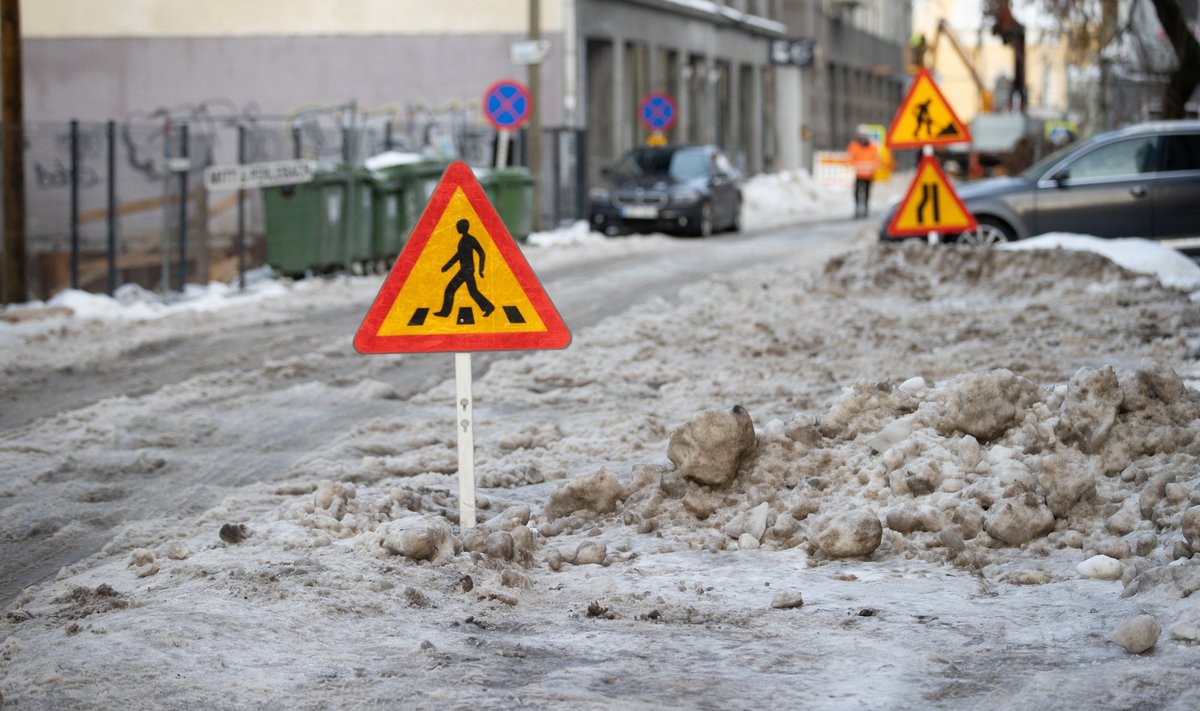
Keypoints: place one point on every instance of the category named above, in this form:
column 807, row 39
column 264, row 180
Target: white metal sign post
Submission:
column 466, row 441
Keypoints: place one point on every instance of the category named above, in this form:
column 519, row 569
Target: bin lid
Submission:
column 391, row 159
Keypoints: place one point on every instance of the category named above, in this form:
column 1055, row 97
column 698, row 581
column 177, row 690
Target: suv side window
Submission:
column 1181, row 152
column 1121, row 159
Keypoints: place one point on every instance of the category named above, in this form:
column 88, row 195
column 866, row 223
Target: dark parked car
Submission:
column 681, row 189
column 1140, row 181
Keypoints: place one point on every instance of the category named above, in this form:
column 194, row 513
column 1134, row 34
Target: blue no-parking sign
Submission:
column 506, row 105
column 657, row 111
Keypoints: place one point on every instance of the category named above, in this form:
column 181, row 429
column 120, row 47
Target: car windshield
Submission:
column 680, row 164
column 1035, row 171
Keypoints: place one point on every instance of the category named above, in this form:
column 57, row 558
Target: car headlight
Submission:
column 603, row 195
column 685, row 196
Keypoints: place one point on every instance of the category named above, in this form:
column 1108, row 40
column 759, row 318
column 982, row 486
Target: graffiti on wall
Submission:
column 150, row 136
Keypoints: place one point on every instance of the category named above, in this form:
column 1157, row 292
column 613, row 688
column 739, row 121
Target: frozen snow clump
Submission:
column 710, row 447
column 984, row 405
column 418, row 538
column 1137, row 634
column 1019, row 520
column 597, row 493
column 850, row 534
column 1101, row 567
column 1090, row 408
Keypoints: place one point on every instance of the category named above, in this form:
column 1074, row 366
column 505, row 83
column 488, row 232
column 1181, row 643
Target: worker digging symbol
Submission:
column 464, row 256
column 923, row 119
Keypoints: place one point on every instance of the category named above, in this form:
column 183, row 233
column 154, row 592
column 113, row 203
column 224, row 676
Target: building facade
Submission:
column 769, row 81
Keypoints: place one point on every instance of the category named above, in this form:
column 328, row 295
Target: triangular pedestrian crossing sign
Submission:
column 931, row 205
column 925, row 117
column 461, row 283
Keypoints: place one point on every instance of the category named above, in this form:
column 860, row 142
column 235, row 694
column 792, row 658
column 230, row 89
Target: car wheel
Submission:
column 704, row 226
column 989, row 233
column 735, row 223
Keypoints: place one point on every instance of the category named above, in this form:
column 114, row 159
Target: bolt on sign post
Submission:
column 658, row 114
column 925, row 120
column 507, row 106
column 461, row 284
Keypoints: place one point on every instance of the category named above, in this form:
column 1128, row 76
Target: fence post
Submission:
column 166, row 208
column 111, row 281
column 74, row 143
column 241, row 212
column 348, row 146
column 183, row 205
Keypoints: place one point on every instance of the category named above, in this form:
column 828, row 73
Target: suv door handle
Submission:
column 1138, row 191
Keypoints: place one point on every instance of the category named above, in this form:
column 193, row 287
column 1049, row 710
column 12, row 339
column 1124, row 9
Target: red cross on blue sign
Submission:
column 658, row 112
column 506, row 105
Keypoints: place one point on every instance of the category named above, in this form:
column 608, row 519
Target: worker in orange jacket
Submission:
column 864, row 157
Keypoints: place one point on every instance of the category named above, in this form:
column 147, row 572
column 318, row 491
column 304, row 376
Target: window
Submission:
column 1181, row 152
column 1124, row 158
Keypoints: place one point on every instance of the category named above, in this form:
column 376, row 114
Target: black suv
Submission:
column 681, row 189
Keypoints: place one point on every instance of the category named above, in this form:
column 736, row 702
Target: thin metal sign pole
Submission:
column 466, row 441
column 502, row 142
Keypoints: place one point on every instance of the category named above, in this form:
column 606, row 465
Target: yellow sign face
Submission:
column 460, row 283
column 931, row 205
column 925, row 118
column 456, row 288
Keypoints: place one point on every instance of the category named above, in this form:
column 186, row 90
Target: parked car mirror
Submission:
column 1061, row 177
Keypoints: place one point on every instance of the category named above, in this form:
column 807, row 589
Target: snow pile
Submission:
column 771, row 200
column 961, row 471
column 1173, row 269
column 794, row 196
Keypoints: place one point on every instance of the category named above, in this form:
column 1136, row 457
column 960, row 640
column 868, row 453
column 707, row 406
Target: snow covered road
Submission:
column 233, row 396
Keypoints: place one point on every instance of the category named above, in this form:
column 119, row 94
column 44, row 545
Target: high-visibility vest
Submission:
column 865, row 159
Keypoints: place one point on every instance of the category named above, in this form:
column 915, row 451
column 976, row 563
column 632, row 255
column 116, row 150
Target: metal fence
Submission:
column 112, row 203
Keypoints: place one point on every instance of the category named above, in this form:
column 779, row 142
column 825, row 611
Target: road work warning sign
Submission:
column 461, row 283
column 931, row 205
column 925, row 117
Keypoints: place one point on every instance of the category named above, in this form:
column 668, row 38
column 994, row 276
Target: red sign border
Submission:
column 460, row 175
column 966, row 132
column 483, row 104
column 933, row 162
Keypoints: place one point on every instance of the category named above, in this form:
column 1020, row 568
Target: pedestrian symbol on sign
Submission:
column 464, row 256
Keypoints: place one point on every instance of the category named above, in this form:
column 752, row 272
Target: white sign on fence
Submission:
column 258, row 175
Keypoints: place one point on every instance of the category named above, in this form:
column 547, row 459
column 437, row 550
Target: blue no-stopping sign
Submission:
column 657, row 111
column 506, row 104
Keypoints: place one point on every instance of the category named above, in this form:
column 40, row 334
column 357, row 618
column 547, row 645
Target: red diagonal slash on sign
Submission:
column 503, row 107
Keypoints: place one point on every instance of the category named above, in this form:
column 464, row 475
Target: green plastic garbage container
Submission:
column 387, row 220
column 403, row 191
column 308, row 225
column 511, row 193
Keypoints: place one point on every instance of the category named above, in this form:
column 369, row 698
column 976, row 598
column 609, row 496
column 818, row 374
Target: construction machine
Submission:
column 1005, row 140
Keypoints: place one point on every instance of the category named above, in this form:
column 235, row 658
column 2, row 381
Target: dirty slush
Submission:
column 908, row 477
